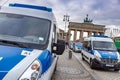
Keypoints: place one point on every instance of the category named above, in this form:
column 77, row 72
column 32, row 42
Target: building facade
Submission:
column 112, row 31
column 87, row 27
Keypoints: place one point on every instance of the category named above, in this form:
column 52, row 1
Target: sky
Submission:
column 103, row 12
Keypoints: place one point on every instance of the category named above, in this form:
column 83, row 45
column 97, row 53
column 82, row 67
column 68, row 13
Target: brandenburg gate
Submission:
column 87, row 26
column 90, row 28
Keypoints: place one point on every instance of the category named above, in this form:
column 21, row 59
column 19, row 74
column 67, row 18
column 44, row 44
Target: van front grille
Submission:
column 109, row 61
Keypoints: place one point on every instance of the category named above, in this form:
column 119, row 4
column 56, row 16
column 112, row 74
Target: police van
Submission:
column 100, row 52
column 28, row 41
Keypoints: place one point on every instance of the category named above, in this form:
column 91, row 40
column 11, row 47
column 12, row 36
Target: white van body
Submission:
column 28, row 33
column 100, row 52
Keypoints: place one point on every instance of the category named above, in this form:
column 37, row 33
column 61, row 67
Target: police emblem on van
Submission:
column 25, row 53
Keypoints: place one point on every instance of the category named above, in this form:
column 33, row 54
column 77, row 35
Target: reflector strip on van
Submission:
column 30, row 6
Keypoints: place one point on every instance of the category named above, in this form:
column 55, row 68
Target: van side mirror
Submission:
column 58, row 47
column 118, row 50
column 89, row 48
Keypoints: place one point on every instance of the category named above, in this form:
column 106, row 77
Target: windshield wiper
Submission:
column 14, row 43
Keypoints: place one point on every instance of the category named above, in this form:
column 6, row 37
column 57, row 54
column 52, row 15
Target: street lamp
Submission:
column 66, row 20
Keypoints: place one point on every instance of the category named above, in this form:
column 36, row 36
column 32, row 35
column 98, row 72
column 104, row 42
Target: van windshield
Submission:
column 101, row 45
column 24, row 29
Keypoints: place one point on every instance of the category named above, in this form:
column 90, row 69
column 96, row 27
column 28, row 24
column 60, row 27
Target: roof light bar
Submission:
column 31, row 6
column 100, row 36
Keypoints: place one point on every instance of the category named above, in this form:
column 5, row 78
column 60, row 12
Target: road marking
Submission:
column 96, row 77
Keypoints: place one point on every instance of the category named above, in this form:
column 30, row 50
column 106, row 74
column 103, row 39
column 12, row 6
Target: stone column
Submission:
column 89, row 33
column 81, row 34
column 69, row 35
column 75, row 33
column 62, row 35
column 101, row 33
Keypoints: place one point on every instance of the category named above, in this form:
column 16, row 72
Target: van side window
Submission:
column 87, row 45
column 54, row 34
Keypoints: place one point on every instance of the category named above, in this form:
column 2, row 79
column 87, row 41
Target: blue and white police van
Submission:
column 28, row 42
column 77, row 46
column 100, row 52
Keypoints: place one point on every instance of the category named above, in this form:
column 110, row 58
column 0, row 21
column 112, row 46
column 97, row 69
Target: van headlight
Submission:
column 33, row 71
column 118, row 57
column 118, row 60
column 97, row 55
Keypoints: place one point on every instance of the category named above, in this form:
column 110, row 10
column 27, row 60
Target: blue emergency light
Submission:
column 100, row 36
column 30, row 6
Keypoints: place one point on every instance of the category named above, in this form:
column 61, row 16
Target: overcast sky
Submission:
column 105, row 12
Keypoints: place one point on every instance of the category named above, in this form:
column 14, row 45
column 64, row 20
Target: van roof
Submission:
column 31, row 2
column 34, row 10
column 98, row 39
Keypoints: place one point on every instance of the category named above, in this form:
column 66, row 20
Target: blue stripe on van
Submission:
column 46, row 59
column 2, row 74
column 11, row 56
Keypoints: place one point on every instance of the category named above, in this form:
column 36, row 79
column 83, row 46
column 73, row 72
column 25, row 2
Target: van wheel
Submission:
column 82, row 56
column 79, row 51
column 116, row 69
column 91, row 64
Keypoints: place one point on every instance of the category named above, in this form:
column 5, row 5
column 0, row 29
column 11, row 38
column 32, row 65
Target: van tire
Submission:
column 82, row 56
column 116, row 69
column 91, row 64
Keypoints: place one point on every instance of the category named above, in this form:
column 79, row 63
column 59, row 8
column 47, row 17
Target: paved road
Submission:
column 70, row 69
column 100, row 74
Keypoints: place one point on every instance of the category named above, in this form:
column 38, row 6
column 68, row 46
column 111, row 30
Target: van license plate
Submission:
column 109, row 65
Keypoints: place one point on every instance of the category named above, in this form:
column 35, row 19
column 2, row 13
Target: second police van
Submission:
column 28, row 41
column 100, row 52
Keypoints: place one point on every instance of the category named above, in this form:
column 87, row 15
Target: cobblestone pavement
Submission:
column 70, row 69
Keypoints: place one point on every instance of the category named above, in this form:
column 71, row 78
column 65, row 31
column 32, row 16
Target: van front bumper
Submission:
column 100, row 64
